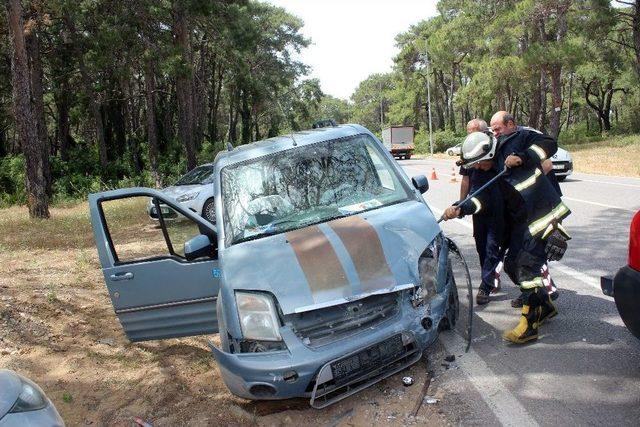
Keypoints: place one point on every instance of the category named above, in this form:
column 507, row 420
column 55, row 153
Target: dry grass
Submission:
column 57, row 327
column 615, row 156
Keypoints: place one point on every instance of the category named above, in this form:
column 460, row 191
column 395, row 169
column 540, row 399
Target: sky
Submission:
column 352, row 39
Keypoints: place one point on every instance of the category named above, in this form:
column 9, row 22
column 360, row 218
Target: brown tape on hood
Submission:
column 317, row 258
column 364, row 247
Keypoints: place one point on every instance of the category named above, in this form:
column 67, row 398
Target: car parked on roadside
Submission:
column 324, row 273
column 23, row 403
column 455, row 150
column 193, row 191
column 562, row 164
column 625, row 285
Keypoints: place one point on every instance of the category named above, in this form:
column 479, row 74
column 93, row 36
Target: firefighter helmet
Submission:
column 476, row 147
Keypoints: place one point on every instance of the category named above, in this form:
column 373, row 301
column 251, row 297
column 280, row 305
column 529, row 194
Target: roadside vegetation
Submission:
column 139, row 95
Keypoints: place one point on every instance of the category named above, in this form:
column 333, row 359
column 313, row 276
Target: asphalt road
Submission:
column 585, row 367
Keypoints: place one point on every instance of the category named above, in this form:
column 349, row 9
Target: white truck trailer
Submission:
column 399, row 141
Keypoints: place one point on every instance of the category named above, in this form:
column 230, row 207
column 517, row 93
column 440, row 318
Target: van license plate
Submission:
column 369, row 358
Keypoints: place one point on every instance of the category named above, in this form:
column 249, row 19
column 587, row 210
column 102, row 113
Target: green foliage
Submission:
column 12, row 184
column 441, row 141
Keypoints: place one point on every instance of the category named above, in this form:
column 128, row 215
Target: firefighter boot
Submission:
column 547, row 310
column 527, row 329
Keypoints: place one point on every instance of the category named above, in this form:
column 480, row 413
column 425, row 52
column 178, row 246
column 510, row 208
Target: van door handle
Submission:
column 121, row 276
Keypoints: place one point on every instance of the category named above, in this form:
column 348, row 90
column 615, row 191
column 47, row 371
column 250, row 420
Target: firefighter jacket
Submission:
column 529, row 198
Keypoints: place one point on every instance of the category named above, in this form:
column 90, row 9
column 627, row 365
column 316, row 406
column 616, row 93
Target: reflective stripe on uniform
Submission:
column 529, row 181
column 557, row 213
column 530, row 284
column 548, row 231
column 477, row 203
column 539, row 151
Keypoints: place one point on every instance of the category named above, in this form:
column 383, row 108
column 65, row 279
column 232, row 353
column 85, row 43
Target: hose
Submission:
column 453, row 248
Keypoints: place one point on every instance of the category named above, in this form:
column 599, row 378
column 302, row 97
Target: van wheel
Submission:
column 408, row 156
column 209, row 210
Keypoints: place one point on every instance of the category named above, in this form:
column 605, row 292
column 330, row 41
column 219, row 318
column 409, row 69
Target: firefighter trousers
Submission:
column 523, row 263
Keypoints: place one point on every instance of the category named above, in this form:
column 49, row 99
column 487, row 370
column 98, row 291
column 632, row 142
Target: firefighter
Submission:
column 502, row 124
column 488, row 225
column 532, row 211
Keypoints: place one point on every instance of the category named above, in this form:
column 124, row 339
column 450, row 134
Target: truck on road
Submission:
column 399, row 141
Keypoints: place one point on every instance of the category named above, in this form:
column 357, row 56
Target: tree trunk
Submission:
column 636, row 35
column 556, row 93
column 152, row 127
column 37, row 102
column 245, row 113
column 184, row 84
column 543, row 99
column 534, row 111
column 25, row 116
column 63, row 135
column 570, row 101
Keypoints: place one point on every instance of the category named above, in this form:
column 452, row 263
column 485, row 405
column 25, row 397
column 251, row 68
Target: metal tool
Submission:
column 478, row 191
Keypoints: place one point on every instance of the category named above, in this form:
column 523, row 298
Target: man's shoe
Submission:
column 554, row 296
column 547, row 311
column 517, row 302
column 527, row 329
column 482, row 297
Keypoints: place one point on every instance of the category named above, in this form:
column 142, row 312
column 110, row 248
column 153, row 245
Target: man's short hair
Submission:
column 509, row 118
column 478, row 124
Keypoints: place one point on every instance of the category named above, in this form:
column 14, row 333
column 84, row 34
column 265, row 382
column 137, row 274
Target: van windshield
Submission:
column 307, row 185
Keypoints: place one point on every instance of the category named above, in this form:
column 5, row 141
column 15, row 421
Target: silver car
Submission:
column 324, row 273
column 23, row 403
column 193, row 191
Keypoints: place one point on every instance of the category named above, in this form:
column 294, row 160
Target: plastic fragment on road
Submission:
column 407, row 381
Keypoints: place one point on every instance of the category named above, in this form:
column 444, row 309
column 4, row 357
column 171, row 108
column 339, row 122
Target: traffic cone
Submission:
column 433, row 174
column 453, row 175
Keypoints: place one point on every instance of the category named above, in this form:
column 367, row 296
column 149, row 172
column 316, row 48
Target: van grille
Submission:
column 324, row 326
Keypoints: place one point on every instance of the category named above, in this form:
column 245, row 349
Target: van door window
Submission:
column 141, row 228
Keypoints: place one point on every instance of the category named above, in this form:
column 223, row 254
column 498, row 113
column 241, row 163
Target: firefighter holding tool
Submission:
column 533, row 211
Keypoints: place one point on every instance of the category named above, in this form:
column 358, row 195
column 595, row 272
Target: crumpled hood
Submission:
column 328, row 263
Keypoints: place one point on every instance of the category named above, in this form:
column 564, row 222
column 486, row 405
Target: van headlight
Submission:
column 258, row 317
column 187, row 197
column 31, row 398
column 428, row 265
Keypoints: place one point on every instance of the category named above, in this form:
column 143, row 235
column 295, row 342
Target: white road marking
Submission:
column 608, row 182
column 506, row 408
column 589, row 280
column 598, row 204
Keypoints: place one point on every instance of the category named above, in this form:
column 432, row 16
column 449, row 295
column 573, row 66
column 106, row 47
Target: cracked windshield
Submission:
column 306, row 185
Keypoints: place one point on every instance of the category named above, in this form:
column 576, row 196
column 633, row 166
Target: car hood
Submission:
column 337, row 261
column 10, row 388
column 561, row 155
column 178, row 190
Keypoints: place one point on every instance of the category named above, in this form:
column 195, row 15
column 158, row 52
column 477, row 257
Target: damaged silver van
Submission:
column 324, row 273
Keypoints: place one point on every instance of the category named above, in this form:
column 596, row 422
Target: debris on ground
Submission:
column 423, row 393
column 430, row 400
column 407, row 381
column 450, row 358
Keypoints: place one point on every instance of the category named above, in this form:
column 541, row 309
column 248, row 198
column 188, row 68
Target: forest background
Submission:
column 100, row 94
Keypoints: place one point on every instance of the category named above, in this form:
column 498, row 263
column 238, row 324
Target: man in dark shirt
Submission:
column 488, row 225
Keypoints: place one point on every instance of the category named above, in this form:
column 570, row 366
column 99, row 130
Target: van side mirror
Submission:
column 421, row 183
column 197, row 247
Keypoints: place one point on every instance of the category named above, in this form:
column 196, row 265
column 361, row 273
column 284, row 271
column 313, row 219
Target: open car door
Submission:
column 159, row 261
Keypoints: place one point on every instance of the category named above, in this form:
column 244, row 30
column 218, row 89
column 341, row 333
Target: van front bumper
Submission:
column 302, row 371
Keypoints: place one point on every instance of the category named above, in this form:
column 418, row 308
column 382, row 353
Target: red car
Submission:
column 625, row 286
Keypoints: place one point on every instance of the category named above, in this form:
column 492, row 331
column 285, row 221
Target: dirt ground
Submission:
column 57, row 327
